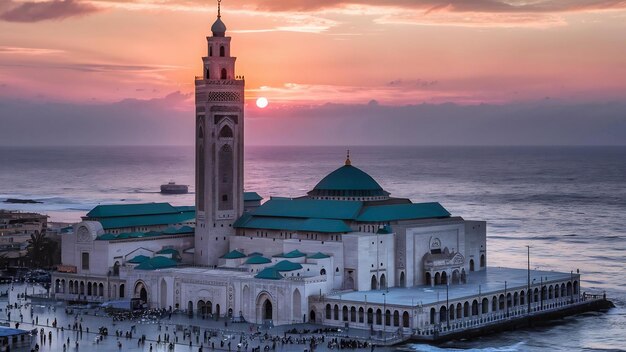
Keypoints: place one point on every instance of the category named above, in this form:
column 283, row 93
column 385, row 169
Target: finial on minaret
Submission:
column 348, row 163
column 219, row 2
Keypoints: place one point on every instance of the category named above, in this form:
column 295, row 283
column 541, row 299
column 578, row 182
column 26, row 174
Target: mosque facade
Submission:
column 346, row 253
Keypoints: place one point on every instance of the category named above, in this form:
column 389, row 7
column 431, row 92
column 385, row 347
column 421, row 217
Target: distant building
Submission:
column 15, row 231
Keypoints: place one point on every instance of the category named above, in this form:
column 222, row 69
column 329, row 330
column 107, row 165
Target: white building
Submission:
column 286, row 259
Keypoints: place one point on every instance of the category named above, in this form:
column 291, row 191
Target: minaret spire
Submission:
column 348, row 163
column 219, row 3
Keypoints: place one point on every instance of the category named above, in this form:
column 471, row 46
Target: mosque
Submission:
column 347, row 253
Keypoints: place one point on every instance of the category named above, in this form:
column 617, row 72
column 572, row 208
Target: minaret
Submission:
column 219, row 148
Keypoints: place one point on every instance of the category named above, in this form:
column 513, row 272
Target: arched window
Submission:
column 222, row 51
column 405, row 319
column 328, row 311
column 224, row 74
column 336, row 312
column 208, row 74
column 361, row 313
column 471, row 264
column 210, row 51
column 482, row 260
column 374, row 282
column 226, row 132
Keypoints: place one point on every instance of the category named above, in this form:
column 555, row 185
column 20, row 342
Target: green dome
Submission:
column 348, row 181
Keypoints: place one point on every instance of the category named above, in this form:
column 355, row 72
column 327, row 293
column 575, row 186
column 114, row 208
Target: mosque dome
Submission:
column 348, row 183
column 218, row 28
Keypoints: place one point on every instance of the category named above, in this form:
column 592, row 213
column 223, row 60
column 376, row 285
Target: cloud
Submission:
column 170, row 120
column 36, row 11
column 14, row 50
column 314, row 16
column 94, row 67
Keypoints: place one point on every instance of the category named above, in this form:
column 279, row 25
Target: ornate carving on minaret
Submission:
column 219, row 147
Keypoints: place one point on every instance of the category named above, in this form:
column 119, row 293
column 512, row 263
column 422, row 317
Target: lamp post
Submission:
column 541, row 297
column 528, row 295
column 384, row 317
column 447, row 306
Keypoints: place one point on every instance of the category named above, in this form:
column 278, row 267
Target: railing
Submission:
column 486, row 319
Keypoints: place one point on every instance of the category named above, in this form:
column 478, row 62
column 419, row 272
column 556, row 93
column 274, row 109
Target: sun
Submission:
column 262, row 102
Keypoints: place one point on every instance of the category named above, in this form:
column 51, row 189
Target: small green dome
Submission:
column 348, row 181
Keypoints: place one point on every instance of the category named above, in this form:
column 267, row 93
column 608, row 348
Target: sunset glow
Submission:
column 305, row 54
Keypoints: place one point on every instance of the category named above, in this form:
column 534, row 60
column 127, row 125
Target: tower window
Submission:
column 210, row 51
column 208, row 74
column 223, row 73
column 225, row 198
column 222, row 51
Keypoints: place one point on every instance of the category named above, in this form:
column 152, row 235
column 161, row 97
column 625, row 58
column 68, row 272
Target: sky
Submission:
column 335, row 72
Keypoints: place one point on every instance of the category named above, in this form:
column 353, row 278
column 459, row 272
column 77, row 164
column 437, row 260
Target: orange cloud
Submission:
column 36, row 11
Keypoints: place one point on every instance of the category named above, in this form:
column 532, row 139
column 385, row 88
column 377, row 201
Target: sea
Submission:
column 567, row 203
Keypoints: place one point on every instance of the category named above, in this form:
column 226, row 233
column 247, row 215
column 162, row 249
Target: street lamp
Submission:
column 385, row 317
column 528, row 288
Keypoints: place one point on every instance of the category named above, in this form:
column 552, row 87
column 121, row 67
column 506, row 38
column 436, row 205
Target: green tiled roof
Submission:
column 127, row 235
column 257, row 259
column 157, row 262
column 106, row 237
column 285, row 265
column 293, row 254
column 309, row 208
column 348, row 177
column 234, row 254
column 251, row 197
column 254, row 254
column 403, row 212
column 269, row 274
column 168, row 251
column 182, row 229
column 139, row 259
column 114, row 210
column 185, row 208
column 292, row 224
column 146, row 220
column 319, row 255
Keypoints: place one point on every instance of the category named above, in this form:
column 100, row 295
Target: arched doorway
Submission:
column 312, row 316
column 444, row 278
column 428, row 279
column 141, row 292
column 267, row 310
column 471, row 264
column 122, row 290
column 264, row 307
column 201, row 308
column 455, row 277
column 297, row 305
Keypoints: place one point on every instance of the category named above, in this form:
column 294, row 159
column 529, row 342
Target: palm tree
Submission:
column 40, row 249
